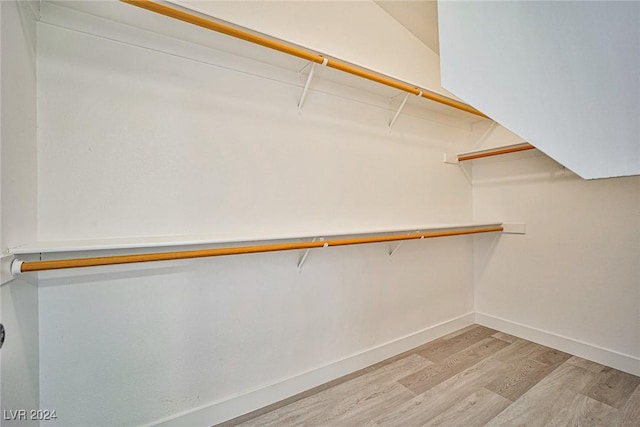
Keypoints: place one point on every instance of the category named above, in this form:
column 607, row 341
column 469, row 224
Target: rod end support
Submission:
column 16, row 267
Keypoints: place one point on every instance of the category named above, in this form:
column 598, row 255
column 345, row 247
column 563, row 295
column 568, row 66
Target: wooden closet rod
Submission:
column 296, row 51
column 496, row 152
column 30, row 266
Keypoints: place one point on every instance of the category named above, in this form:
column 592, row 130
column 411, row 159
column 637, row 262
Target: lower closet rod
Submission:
column 31, row 266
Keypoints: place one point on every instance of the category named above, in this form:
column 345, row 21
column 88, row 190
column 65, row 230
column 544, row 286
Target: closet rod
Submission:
column 296, row 51
column 31, row 266
column 496, row 152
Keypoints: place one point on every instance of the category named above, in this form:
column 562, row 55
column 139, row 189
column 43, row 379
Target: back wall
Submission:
column 143, row 135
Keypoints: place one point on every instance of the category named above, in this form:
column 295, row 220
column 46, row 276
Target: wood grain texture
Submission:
column 433, row 375
column 585, row 364
column 528, row 364
column 316, row 390
column 428, row 405
column 522, row 348
column 367, row 396
column 584, row 412
column 548, row 356
column 453, row 334
column 629, row 415
column 475, row 410
column 538, row 406
column 477, row 377
column 505, row 337
column 440, row 349
column 612, row 387
column 520, row 376
column 517, row 350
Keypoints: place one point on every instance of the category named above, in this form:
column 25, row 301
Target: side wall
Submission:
column 572, row 282
column 19, row 308
column 135, row 141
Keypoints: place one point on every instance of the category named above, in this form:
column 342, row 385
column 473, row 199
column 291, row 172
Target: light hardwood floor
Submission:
column 473, row 377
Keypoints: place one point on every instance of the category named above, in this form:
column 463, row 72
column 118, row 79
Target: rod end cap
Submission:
column 16, row 267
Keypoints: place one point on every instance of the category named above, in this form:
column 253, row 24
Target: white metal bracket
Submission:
column 306, row 253
column 485, row 134
column 514, row 228
column 307, row 65
column 306, row 86
column 404, row 101
column 451, row 158
column 395, row 249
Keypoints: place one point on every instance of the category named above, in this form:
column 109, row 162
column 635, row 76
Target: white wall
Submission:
column 360, row 32
column 572, row 281
column 19, row 308
column 329, row 170
column 119, row 128
column 137, row 142
column 563, row 75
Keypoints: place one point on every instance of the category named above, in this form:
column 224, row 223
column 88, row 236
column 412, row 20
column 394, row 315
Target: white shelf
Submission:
column 217, row 239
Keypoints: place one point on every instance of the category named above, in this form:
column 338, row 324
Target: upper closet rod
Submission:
column 28, row 266
column 296, row 51
column 496, row 152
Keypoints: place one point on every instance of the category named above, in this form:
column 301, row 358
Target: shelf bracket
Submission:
column 395, row 249
column 307, row 65
column 514, row 228
column 306, row 86
column 404, row 101
column 306, row 253
column 451, row 158
column 485, row 134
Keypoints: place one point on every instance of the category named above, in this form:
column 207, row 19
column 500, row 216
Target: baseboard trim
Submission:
column 604, row 356
column 236, row 406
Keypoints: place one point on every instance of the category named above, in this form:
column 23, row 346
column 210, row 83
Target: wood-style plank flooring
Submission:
column 473, row 377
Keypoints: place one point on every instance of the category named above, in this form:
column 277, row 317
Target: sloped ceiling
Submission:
column 565, row 76
column 418, row 16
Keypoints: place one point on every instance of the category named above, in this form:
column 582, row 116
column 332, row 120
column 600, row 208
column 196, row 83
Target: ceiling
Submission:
column 418, row 16
column 564, row 76
column 581, row 55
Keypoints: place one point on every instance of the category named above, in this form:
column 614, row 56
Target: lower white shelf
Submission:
column 233, row 246
column 223, row 238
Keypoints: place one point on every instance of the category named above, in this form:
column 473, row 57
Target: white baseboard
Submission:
column 235, row 406
column 614, row 359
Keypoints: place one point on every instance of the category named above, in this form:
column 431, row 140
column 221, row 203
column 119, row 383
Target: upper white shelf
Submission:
column 222, row 238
